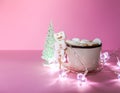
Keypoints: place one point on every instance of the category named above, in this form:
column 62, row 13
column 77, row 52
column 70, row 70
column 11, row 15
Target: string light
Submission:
column 104, row 57
column 54, row 67
column 81, row 78
column 118, row 62
column 62, row 74
column 118, row 76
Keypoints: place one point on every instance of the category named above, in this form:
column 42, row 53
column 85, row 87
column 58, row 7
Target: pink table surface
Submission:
column 23, row 72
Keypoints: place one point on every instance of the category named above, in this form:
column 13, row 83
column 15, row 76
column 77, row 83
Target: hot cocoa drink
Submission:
column 82, row 54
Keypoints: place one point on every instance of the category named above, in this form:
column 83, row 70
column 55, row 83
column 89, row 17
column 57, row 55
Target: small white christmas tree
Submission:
column 48, row 52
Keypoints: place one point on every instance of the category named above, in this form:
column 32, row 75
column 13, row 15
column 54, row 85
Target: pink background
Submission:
column 24, row 23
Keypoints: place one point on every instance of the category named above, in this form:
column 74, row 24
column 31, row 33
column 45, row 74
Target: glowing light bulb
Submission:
column 104, row 57
column 62, row 74
column 118, row 62
column 81, row 78
column 118, row 76
column 54, row 67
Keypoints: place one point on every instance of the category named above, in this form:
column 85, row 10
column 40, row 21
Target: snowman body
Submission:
column 60, row 47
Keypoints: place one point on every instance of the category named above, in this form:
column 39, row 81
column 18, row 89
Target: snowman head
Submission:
column 59, row 36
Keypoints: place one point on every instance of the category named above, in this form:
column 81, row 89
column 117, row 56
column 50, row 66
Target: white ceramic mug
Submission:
column 80, row 57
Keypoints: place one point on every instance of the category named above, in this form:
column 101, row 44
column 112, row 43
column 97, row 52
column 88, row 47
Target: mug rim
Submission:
column 84, row 47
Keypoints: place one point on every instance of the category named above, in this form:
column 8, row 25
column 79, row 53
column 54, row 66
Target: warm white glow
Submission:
column 118, row 62
column 54, row 67
column 118, row 76
column 104, row 57
column 63, row 75
column 81, row 78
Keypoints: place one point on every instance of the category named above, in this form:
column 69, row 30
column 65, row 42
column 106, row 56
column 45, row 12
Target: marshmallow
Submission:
column 90, row 43
column 84, row 41
column 76, row 39
column 97, row 40
column 69, row 42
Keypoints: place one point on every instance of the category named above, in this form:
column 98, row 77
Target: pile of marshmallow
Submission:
column 84, row 42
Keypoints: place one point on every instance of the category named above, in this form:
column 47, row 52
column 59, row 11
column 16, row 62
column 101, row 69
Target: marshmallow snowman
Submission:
column 60, row 47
